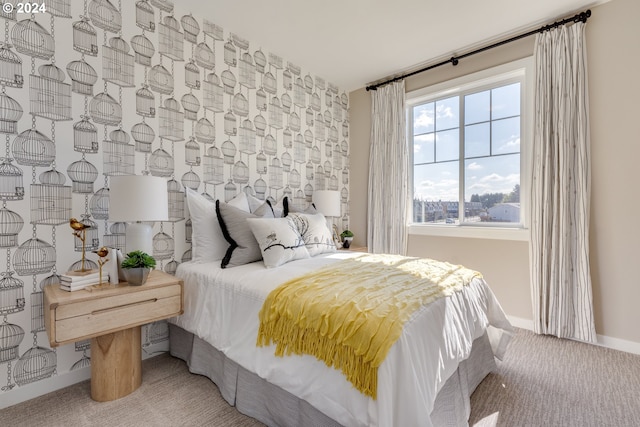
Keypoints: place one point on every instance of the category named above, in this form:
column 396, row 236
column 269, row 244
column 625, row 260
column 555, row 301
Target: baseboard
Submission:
column 603, row 340
column 39, row 388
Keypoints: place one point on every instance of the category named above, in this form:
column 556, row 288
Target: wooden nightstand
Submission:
column 112, row 318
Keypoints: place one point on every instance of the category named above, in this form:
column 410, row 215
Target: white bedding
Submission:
column 222, row 305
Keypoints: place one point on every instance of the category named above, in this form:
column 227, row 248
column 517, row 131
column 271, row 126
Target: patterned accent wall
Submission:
column 95, row 89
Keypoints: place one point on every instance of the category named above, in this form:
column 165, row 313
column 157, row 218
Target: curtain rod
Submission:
column 582, row 16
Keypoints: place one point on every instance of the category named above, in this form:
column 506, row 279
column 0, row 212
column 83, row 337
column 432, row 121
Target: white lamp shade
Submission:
column 138, row 198
column 327, row 202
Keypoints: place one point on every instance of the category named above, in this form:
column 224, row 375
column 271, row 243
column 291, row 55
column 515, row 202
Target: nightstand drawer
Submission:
column 99, row 316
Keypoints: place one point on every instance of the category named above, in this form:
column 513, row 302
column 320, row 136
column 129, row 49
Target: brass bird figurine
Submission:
column 77, row 225
column 79, row 230
column 102, row 252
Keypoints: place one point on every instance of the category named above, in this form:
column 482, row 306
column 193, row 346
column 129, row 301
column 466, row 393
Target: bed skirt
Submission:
column 273, row 406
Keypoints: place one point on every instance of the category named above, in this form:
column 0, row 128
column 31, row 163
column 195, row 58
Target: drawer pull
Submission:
column 133, row 304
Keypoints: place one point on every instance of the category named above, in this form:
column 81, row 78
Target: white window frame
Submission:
column 520, row 70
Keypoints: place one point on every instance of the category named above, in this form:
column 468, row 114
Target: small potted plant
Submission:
column 136, row 267
column 347, row 237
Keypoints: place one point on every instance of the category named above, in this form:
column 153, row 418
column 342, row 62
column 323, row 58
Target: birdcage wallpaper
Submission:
column 230, row 190
column 143, row 48
column 11, row 187
column 145, row 16
column 160, row 80
column 83, row 77
column 158, row 331
column 92, row 240
column 164, row 5
column 230, row 54
column 10, row 338
column 213, row 167
column 11, row 224
column 145, row 102
column 171, row 39
column 10, row 113
column 242, row 132
column 10, row 67
column 191, row 106
column 205, row 131
column 191, row 28
column 105, row 110
column 85, row 136
column 50, row 97
column 116, row 238
column 163, row 246
column 37, row 313
column 99, row 204
column 143, row 135
column 50, row 200
column 117, row 63
column 286, row 160
column 171, row 121
column 11, row 294
column 190, row 180
column 35, row 364
column 192, row 152
column 247, row 138
column 83, row 174
column 30, row 38
column 85, row 37
column 212, row 94
column 119, row 158
column 192, row 75
column 105, row 15
column 247, row 76
column 161, row 163
column 204, row 56
column 34, row 256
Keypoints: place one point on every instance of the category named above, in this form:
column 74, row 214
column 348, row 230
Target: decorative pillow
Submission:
column 279, row 240
column 254, row 202
column 278, row 208
column 289, row 208
column 242, row 247
column 241, row 202
column 208, row 243
column 317, row 237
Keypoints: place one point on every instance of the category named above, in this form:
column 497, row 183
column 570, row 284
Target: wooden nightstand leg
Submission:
column 116, row 367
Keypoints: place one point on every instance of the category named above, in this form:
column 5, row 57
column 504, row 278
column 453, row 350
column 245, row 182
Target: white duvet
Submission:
column 222, row 305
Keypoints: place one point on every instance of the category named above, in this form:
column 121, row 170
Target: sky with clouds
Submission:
column 492, row 133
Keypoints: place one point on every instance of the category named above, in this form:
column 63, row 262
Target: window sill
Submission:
column 497, row 233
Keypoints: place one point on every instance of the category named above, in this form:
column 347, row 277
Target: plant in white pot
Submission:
column 136, row 267
column 347, row 237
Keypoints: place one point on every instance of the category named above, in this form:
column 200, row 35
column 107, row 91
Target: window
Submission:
column 468, row 143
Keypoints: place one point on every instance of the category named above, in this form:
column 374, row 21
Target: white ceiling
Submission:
column 354, row 42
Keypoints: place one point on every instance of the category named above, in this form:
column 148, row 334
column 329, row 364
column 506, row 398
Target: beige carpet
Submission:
column 546, row 381
column 543, row 381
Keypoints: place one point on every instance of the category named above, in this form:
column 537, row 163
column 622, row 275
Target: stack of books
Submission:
column 76, row 280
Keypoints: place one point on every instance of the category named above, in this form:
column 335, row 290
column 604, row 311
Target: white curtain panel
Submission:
column 559, row 247
column 388, row 171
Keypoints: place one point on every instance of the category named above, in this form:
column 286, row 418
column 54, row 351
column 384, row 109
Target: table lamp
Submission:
column 327, row 202
column 134, row 199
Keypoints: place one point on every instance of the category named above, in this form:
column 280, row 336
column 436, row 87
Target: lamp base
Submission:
column 139, row 237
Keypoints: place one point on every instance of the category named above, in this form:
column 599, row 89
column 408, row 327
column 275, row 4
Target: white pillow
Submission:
column 279, row 240
column 208, row 243
column 254, row 202
column 318, row 238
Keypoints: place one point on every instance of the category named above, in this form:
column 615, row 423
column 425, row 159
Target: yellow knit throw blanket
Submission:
column 349, row 314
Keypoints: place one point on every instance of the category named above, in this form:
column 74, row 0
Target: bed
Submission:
column 444, row 352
